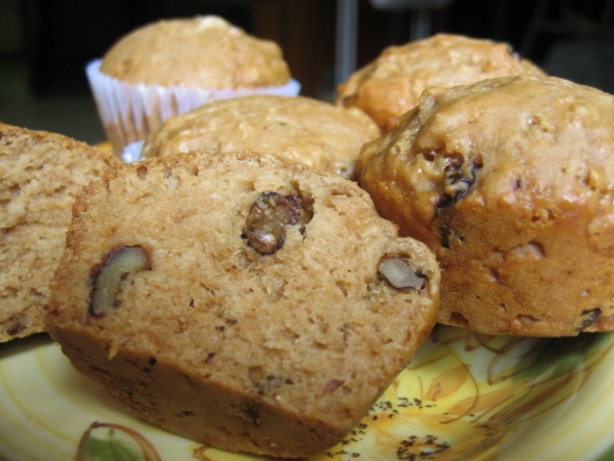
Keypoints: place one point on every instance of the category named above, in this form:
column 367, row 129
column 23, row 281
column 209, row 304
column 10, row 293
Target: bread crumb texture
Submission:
column 249, row 308
column 198, row 52
column 40, row 175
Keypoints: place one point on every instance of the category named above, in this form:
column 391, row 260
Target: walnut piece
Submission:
column 106, row 278
column 265, row 227
column 400, row 274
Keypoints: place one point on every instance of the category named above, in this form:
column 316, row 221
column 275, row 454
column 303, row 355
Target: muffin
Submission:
column 510, row 181
column 303, row 129
column 244, row 301
column 40, row 175
column 172, row 66
column 391, row 84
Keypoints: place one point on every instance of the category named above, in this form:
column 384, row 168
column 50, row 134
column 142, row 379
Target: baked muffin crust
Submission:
column 302, row 129
column 200, row 52
column 510, row 181
column 391, row 84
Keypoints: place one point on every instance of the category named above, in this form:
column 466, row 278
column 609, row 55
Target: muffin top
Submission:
column 203, row 51
column 390, row 85
column 303, row 129
column 526, row 141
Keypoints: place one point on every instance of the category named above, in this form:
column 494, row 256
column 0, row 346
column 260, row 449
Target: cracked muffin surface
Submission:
column 304, row 129
column 392, row 83
column 200, row 52
column 510, row 181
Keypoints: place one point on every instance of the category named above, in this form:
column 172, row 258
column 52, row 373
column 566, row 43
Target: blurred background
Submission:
column 45, row 44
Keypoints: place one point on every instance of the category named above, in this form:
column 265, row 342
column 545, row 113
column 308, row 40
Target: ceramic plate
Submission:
column 464, row 397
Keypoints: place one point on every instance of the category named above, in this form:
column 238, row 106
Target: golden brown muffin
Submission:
column 510, row 182
column 174, row 65
column 199, row 52
column 305, row 130
column 391, row 84
column 244, row 301
column 40, row 175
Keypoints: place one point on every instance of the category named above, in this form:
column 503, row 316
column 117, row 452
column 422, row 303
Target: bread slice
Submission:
column 240, row 300
column 40, row 174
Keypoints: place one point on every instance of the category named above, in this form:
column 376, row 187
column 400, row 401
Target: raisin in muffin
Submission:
column 173, row 65
column 510, row 182
column 303, row 129
column 391, row 84
column 40, row 175
column 244, row 301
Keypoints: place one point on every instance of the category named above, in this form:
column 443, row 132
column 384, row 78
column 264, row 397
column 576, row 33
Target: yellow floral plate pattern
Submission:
column 463, row 397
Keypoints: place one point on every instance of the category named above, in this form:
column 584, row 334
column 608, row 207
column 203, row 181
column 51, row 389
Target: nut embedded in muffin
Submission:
column 107, row 277
column 265, row 227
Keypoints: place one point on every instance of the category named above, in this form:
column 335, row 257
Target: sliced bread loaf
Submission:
column 40, row 175
column 240, row 300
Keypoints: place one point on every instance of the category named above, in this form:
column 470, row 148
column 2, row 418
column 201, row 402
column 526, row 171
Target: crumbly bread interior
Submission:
column 40, row 175
column 221, row 337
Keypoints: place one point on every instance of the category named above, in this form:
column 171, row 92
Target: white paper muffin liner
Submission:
column 132, row 152
column 129, row 112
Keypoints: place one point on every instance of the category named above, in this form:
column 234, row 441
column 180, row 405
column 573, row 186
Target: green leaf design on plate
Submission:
column 120, row 443
column 608, row 455
column 109, row 450
column 562, row 355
